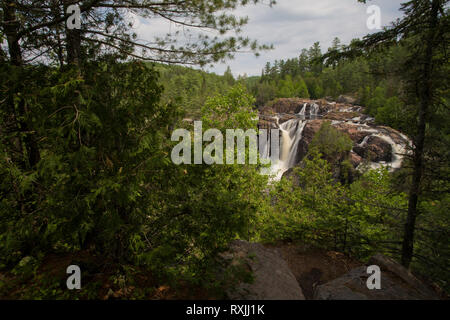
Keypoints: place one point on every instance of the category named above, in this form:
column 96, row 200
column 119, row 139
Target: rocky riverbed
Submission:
column 299, row 119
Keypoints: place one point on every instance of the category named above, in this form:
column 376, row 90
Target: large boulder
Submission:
column 397, row 283
column 272, row 278
column 375, row 149
column 389, row 265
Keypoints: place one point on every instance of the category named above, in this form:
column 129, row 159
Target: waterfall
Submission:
column 398, row 151
column 302, row 112
column 364, row 142
column 298, row 137
column 277, row 120
column 286, row 143
column 264, row 149
column 314, row 111
column 291, row 135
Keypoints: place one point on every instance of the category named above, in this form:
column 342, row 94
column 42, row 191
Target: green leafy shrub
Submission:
column 105, row 181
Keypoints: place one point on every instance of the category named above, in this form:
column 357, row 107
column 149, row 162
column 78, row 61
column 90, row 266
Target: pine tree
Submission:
column 301, row 88
column 421, row 30
column 228, row 75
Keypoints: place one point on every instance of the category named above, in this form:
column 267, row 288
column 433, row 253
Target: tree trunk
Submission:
column 11, row 31
column 73, row 46
column 73, row 39
column 425, row 96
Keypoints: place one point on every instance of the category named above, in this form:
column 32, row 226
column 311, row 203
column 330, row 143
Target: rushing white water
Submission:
column 398, row 152
column 291, row 132
column 265, row 149
column 364, row 142
column 291, row 135
column 314, row 111
column 286, row 143
column 303, row 110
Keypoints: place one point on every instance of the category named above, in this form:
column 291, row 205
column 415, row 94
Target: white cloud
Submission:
column 291, row 25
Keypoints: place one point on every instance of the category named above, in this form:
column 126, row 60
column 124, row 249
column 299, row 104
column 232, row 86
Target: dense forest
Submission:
column 190, row 88
column 368, row 78
column 86, row 178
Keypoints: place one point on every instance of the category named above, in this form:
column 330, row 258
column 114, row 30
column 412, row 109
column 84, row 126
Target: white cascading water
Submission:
column 264, row 151
column 364, row 142
column 291, row 134
column 398, row 151
column 314, row 111
column 286, row 143
column 303, row 110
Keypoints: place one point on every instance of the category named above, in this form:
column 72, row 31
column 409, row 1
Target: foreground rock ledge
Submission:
column 397, row 283
column 273, row 280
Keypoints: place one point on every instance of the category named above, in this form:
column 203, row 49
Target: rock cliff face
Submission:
column 299, row 119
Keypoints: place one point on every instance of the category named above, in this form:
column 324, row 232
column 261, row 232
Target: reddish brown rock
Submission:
column 352, row 131
column 376, row 149
column 265, row 124
column 381, row 148
column 395, row 135
column 355, row 159
column 285, row 118
column 284, row 105
column 295, row 105
column 340, row 116
column 308, row 134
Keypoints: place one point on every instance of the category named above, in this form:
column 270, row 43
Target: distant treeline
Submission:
column 190, row 87
column 307, row 76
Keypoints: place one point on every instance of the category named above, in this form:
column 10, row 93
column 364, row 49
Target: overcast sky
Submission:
column 291, row 25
